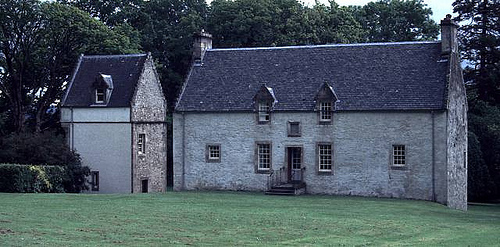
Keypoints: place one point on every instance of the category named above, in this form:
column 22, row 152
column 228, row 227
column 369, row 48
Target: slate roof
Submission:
column 123, row 69
column 379, row 76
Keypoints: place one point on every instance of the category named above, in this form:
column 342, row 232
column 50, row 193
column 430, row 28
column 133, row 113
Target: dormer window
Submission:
column 264, row 101
column 325, row 103
column 103, row 87
column 264, row 112
column 100, row 96
column 325, row 111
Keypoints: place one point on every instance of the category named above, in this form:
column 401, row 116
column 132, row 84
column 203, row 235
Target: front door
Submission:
column 294, row 164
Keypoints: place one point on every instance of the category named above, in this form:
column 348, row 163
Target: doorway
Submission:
column 144, row 186
column 294, row 164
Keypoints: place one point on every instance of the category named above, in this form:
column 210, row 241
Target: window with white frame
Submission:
column 141, row 144
column 325, row 159
column 398, row 155
column 325, row 111
column 264, row 112
column 263, row 156
column 100, row 95
column 213, row 153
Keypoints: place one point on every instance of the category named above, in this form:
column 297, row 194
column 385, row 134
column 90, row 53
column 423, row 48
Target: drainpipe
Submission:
column 183, row 186
column 72, row 140
column 433, row 158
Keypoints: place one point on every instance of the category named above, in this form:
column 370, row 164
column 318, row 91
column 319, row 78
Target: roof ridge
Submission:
column 326, row 46
column 116, row 56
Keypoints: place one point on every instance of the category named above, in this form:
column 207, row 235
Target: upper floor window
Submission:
column 325, row 111
column 141, row 144
column 264, row 112
column 294, row 129
column 100, row 96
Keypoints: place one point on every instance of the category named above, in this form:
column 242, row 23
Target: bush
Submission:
column 31, row 178
column 47, row 150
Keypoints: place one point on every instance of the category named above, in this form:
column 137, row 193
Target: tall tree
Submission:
column 41, row 43
column 396, row 20
column 479, row 35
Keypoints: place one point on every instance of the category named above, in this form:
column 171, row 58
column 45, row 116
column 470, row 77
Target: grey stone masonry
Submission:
column 362, row 152
column 148, row 114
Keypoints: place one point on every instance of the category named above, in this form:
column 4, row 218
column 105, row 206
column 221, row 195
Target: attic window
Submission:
column 325, row 99
column 264, row 112
column 100, row 96
column 325, row 111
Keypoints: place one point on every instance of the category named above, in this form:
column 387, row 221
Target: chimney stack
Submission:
column 449, row 41
column 202, row 42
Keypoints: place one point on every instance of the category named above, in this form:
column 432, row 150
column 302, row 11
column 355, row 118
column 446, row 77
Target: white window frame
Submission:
column 398, row 155
column 263, row 156
column 325, row 111
column 213, row 153
column 100, row 93
column 141, row 143
column 264, row 112
column 325, row 157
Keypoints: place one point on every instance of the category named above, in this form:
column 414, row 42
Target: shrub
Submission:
column 31, row 178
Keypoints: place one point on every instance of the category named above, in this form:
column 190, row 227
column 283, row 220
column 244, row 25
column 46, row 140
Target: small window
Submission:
column 398, row 155
column 94, row 180
column 263, row 157
column 294, row 129
column 325, row 112
column 141, row 144
column 325, row 159
column 213, row 153
column 264, row 112
column 99, row 96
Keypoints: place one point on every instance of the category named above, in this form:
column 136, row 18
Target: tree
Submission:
column 396, row 20
column 479, row 37
column 41, row 43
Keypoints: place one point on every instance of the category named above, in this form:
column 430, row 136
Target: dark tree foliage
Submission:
column 48, row 148
column 396, row 20
column 479, row 35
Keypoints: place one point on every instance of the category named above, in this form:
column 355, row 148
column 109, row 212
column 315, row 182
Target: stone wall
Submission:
column 362, row 145
column 457, row 136
column 148, row 117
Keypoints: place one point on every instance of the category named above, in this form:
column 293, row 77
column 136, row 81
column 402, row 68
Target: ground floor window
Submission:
column 398, row 155
column 263, row 156
column 94, row 180
column 144, row 185
column 325, row 157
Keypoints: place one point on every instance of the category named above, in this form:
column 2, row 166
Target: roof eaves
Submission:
column 72, row 79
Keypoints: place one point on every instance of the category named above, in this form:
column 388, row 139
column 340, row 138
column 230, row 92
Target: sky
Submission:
column 439, row 7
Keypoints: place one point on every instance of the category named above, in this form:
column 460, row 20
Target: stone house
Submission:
column 376, row 119
column 114, row 113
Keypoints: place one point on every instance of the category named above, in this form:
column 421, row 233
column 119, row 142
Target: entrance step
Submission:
column 287, row 189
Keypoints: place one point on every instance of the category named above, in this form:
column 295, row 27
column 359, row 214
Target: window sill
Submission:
column 263, row 171
column 325, row 122
column 263, row 122
column 402, row 168
column 325, row 173
column 294, row 135
column 212, row 161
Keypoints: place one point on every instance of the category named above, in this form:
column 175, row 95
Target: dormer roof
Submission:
column 117, row 72
column 377, row 76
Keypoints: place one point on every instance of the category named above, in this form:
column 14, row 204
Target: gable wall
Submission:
column 148, row 117
column 362, row 143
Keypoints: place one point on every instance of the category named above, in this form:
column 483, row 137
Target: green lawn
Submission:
column 230, row 219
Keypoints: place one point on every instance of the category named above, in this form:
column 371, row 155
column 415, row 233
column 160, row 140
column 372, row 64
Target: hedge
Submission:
column 31, row 178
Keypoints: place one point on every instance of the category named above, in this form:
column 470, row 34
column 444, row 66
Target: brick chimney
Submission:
column 449, row 41
column 202, row 42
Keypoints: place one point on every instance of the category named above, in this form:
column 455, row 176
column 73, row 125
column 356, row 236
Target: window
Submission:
column 263, row 157
column 398, row 155
column 264, row 112
column 144, row 185
column 294, row 129
column 141, row 144
column 325, row 112
column 99, row 96
column 325, row 159
column 213, row 153
column 94, row 180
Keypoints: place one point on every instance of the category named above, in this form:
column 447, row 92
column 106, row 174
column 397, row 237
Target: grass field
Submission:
column 230, row 219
